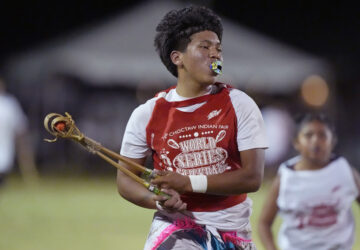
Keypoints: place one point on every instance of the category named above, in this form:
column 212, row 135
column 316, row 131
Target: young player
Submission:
column 207, row 142
column 313, row 193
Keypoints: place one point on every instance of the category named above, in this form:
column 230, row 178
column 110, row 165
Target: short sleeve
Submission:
column 134, row 143
column 250, row 124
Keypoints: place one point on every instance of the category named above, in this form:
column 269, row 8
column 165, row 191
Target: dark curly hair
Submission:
column 174, row 31
column 303, row 119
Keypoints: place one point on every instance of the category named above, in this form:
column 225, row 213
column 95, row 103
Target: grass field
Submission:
column 82, row 213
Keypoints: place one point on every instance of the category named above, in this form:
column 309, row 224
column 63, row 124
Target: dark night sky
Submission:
column 34, row 22
column 331, row 31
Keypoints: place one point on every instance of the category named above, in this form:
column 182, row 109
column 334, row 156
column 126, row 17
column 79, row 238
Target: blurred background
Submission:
column 96, row 60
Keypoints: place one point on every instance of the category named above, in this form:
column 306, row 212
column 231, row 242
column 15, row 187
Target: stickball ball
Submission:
column 60, row 126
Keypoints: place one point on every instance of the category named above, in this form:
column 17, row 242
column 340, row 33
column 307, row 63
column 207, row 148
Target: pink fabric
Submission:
column 232, row 237
column 181, row 224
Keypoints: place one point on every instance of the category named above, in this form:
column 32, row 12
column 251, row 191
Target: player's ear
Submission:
column 176, row 57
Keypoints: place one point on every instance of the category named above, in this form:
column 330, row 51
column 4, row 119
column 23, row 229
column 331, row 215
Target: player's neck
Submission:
column 189, row 88
column 306, row 164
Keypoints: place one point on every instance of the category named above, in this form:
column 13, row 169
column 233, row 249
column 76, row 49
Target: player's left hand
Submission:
column 172, row 204
column 172, row 180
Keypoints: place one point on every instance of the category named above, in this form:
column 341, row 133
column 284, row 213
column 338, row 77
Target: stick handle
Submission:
column 123, row 159
column 136, row 178
column 93, row 146
column 122, row 168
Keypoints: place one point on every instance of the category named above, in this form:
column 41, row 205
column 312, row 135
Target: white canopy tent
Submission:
column 120, row 50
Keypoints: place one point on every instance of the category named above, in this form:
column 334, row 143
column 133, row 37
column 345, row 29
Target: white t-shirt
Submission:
column 251, row 131
column 12, row 123
column 316, row 206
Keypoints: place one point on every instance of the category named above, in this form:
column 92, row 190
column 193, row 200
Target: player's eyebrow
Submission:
column 210, row 42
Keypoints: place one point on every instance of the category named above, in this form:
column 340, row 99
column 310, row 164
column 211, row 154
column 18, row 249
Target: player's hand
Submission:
column 172, row 204
column 172, row 180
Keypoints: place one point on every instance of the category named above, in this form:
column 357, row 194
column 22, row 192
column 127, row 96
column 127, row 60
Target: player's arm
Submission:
column 246, row 179
column 139, row 195
column 357, row 182
column 268, row 215
column 133, row 191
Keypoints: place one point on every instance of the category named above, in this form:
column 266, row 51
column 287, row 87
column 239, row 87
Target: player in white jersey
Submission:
column 313, row 194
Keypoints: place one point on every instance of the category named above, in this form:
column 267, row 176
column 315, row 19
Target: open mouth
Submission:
column 216, row 66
